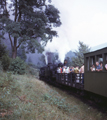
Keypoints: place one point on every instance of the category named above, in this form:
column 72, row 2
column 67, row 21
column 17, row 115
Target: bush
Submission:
column 32, row 71
column 2, row 50
column 17, row 66
column 5, row 62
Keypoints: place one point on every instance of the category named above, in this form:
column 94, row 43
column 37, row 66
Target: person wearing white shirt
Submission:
column 106, row 65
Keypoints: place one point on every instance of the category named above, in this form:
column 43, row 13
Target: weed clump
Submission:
column 60, row 103
column 17, row 66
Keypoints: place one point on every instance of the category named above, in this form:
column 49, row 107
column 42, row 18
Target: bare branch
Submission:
column 19, row 14
column 18, row 45
column 15, row 11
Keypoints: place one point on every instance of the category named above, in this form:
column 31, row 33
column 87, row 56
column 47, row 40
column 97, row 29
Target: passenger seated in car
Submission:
column 92, row 68
column 98, row 66
column 58, row 69
column 82, row 69
column 63, row 69
column 106, row 65
column 76, row 69
column 101, row 66
column 71, row 69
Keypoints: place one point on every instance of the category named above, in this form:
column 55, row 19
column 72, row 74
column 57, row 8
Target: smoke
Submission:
column 46, row 60
column 59, row 45
column 49, row 56
column 81, row 21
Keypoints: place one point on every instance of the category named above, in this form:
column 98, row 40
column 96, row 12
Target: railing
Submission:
column 70, row 79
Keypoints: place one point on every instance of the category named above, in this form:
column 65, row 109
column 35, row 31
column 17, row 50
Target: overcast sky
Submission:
column 84, row 20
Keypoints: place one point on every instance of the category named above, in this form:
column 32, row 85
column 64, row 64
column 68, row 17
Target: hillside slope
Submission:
column 32, row 99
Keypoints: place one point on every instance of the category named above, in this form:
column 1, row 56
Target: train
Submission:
column 91, row 83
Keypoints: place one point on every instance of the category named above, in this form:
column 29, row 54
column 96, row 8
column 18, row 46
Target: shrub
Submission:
column 32, row 71
column 17, row 66
column 5, row 62
column 2, row 49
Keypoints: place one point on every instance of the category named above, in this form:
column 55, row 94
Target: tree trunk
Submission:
column 14, row 53
column 14, row 49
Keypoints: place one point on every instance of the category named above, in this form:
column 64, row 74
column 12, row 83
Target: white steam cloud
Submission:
column 81, row 20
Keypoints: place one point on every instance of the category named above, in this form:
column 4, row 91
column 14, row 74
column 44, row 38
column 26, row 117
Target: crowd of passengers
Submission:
column 65, row 69
column 99, row 66
column 72, row 69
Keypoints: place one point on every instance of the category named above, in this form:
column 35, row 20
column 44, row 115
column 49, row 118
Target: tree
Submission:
column 78, row 60
column 21, row 53
column 29, row 23
column 68, row 57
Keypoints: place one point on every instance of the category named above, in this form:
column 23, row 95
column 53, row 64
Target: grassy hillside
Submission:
column 23, row 97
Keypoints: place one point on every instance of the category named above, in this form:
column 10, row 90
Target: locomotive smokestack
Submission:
column 51, row 57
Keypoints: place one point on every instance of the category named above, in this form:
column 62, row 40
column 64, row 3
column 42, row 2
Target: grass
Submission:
column 27, row 98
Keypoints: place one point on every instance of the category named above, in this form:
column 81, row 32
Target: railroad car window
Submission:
column 99, row 58
column 92, row 62
column 87, row 62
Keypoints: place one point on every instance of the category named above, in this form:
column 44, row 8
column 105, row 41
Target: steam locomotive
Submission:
column 92, row 83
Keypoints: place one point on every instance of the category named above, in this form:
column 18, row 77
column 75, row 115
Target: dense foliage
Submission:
column 22, row 53
column 28, row 23
column 5, row 62
column 4, row 58
column 78, row 60
column 17, row 66
column 2, row 50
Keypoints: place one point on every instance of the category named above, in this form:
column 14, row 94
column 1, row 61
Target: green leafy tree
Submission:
column 78, row 60
column 29, row 23
column 21, row 53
